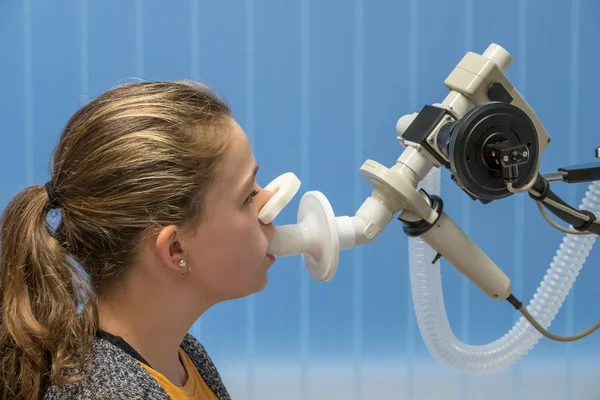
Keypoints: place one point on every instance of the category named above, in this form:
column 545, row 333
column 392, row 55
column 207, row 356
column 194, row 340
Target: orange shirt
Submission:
column 194, row 389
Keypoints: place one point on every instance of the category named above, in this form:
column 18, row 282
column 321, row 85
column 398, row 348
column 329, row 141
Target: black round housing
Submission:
column 471, row 144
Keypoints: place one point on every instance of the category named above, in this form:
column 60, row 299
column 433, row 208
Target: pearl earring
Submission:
column 183, row 264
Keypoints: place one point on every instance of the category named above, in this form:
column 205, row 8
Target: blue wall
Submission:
column 319, row 82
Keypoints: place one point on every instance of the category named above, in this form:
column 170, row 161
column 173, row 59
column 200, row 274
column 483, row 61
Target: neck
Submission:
column 153, row 320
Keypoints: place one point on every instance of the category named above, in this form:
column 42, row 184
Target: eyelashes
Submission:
column 251, row 197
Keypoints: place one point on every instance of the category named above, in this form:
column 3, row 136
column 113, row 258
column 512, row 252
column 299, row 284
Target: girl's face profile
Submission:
column 228, row 250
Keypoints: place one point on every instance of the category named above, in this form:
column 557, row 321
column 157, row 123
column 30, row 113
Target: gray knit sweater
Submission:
column 117, row 375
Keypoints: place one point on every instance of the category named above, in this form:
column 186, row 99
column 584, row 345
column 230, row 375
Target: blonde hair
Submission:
column 139, row 157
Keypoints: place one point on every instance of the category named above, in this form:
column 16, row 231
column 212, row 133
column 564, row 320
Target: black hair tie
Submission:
column 51, row 195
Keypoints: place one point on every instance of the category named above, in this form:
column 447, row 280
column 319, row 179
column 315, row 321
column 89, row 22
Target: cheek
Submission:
column 246, row 245
column 230, row 252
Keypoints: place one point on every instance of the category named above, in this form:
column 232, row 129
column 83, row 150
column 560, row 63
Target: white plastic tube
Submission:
column 477, row 359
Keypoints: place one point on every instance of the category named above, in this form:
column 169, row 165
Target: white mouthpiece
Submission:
column 315, row 236
column 318, row 236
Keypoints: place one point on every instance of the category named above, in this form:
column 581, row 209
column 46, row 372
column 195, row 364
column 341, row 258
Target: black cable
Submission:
column 586, row 220
column 519, row 307
column 583, row 224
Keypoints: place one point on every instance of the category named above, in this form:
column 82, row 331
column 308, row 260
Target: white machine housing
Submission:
column 319, row 235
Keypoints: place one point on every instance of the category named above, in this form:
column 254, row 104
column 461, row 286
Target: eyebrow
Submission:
column 250, row 181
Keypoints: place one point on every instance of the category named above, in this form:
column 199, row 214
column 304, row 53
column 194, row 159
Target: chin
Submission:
column 262, row 283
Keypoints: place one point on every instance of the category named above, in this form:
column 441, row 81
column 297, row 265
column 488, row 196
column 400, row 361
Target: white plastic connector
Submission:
column 346, row 232
column 499, row 56
column 371, row 218
column 403, row 124
column 456, row 104
column 413, row 165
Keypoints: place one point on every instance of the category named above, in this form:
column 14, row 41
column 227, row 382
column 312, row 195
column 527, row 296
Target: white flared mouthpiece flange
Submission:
column 316, row 217
column 315, row 237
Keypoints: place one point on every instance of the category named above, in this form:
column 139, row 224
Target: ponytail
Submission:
column 48, row 314
column 138, row 157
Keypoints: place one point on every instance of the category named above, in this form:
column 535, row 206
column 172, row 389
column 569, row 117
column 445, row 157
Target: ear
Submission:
column 169, row 248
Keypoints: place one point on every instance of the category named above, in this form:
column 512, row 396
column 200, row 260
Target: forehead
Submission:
column 238, row 161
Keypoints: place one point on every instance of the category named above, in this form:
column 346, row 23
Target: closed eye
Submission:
column 251, row 197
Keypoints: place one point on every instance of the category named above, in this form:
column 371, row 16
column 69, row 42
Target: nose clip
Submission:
column 284, row 188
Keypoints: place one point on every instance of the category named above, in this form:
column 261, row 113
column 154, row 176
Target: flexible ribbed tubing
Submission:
column 431, row 315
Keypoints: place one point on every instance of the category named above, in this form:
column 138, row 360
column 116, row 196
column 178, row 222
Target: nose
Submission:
column 260, row 200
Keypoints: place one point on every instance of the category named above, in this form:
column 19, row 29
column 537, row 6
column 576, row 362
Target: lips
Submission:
column 271, row 258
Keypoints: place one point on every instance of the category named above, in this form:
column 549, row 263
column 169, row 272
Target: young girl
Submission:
column 155, row 188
